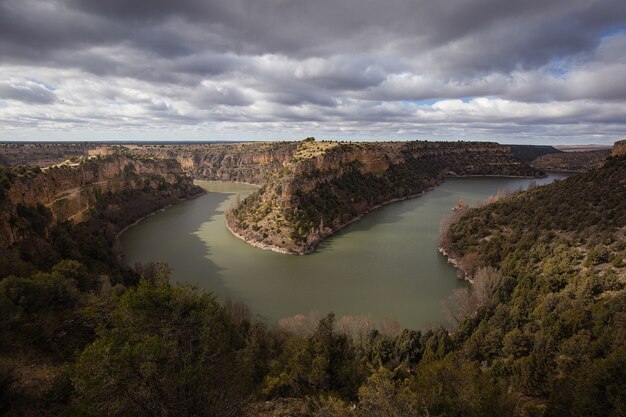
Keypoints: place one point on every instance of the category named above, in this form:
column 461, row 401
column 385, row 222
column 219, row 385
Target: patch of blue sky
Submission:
column 559, row 67
column 613, row 30
column 46, row 85
column 428, row 102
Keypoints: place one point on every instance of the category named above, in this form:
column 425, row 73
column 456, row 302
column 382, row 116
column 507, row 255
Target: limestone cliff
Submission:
column 240, row 162
column 70, row 192
column 326, row 185
column 619, row 148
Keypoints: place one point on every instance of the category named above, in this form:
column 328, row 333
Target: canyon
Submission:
column 311, row 189
column 308, row 189
column 69, row 193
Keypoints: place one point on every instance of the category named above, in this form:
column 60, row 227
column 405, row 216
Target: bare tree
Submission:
column 356, row 327
column 470, row 263
column 465, row 301
column 460, row 305
column 460, row 210
column 300, row 324
column 390, row 327
column 487, row 281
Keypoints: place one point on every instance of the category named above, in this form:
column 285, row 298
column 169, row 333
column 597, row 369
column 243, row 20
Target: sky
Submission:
column 526, row 71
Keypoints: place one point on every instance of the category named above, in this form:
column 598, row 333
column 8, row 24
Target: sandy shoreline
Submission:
column 260, row 245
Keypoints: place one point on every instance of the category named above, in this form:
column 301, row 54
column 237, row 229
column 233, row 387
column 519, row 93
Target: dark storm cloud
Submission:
column 536, row 31
column 27, row 92
column 191, row 62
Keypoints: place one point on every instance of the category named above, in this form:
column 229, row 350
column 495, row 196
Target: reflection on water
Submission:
column 386, row 264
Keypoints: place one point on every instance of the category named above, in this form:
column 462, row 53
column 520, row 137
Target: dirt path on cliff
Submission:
column 72, row 192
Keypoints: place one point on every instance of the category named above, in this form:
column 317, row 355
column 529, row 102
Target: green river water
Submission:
column 385, row 265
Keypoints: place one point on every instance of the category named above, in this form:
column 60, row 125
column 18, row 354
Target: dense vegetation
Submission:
column 542, row 333
column 57, row 283
column 555, row 325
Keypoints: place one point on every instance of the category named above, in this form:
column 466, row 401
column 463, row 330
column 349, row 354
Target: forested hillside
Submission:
column 549, row 285
column 60, row 277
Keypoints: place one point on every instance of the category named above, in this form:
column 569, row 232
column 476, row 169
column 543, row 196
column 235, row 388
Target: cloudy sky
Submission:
column 526, row 71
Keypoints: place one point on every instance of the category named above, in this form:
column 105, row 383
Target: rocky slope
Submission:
column 69, row 192
column 580, row 161
column 326, row 185
column 619, row 149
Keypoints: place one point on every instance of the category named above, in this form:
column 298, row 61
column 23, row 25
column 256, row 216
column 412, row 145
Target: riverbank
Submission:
column 225, row 182
column 116, row 246
column 313, row 245
column 260, row 245
column 456, row 262
column 139, row 220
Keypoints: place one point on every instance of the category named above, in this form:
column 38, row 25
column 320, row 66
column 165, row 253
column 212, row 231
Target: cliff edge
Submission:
column 33, row 198
column 326, row 185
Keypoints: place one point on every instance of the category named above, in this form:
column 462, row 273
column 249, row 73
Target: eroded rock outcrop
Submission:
column 619, row 148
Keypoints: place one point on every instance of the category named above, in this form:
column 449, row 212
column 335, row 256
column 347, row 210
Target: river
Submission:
column 385, row 265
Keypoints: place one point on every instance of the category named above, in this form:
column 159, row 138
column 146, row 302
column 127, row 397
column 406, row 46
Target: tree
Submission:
column 470, row 264
column 460, row 305
column 455, row 387
column 487, row 282
column 169, row 351
column 382, row 396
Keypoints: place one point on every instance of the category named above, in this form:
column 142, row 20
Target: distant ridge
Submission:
column 529, row 153
column 582, row 148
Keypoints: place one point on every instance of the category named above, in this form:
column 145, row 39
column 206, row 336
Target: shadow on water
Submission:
column 173, row 237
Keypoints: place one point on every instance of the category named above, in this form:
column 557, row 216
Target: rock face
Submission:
column 240, row 162
column 619, row 148
column 68, row 193
column 326, row 185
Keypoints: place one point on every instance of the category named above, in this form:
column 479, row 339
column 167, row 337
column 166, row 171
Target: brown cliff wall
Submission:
column 619, row 148
column 71, row 192
column 238, row 162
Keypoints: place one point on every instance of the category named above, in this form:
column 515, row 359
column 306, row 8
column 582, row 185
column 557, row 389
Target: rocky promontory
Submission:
column 326, row 185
